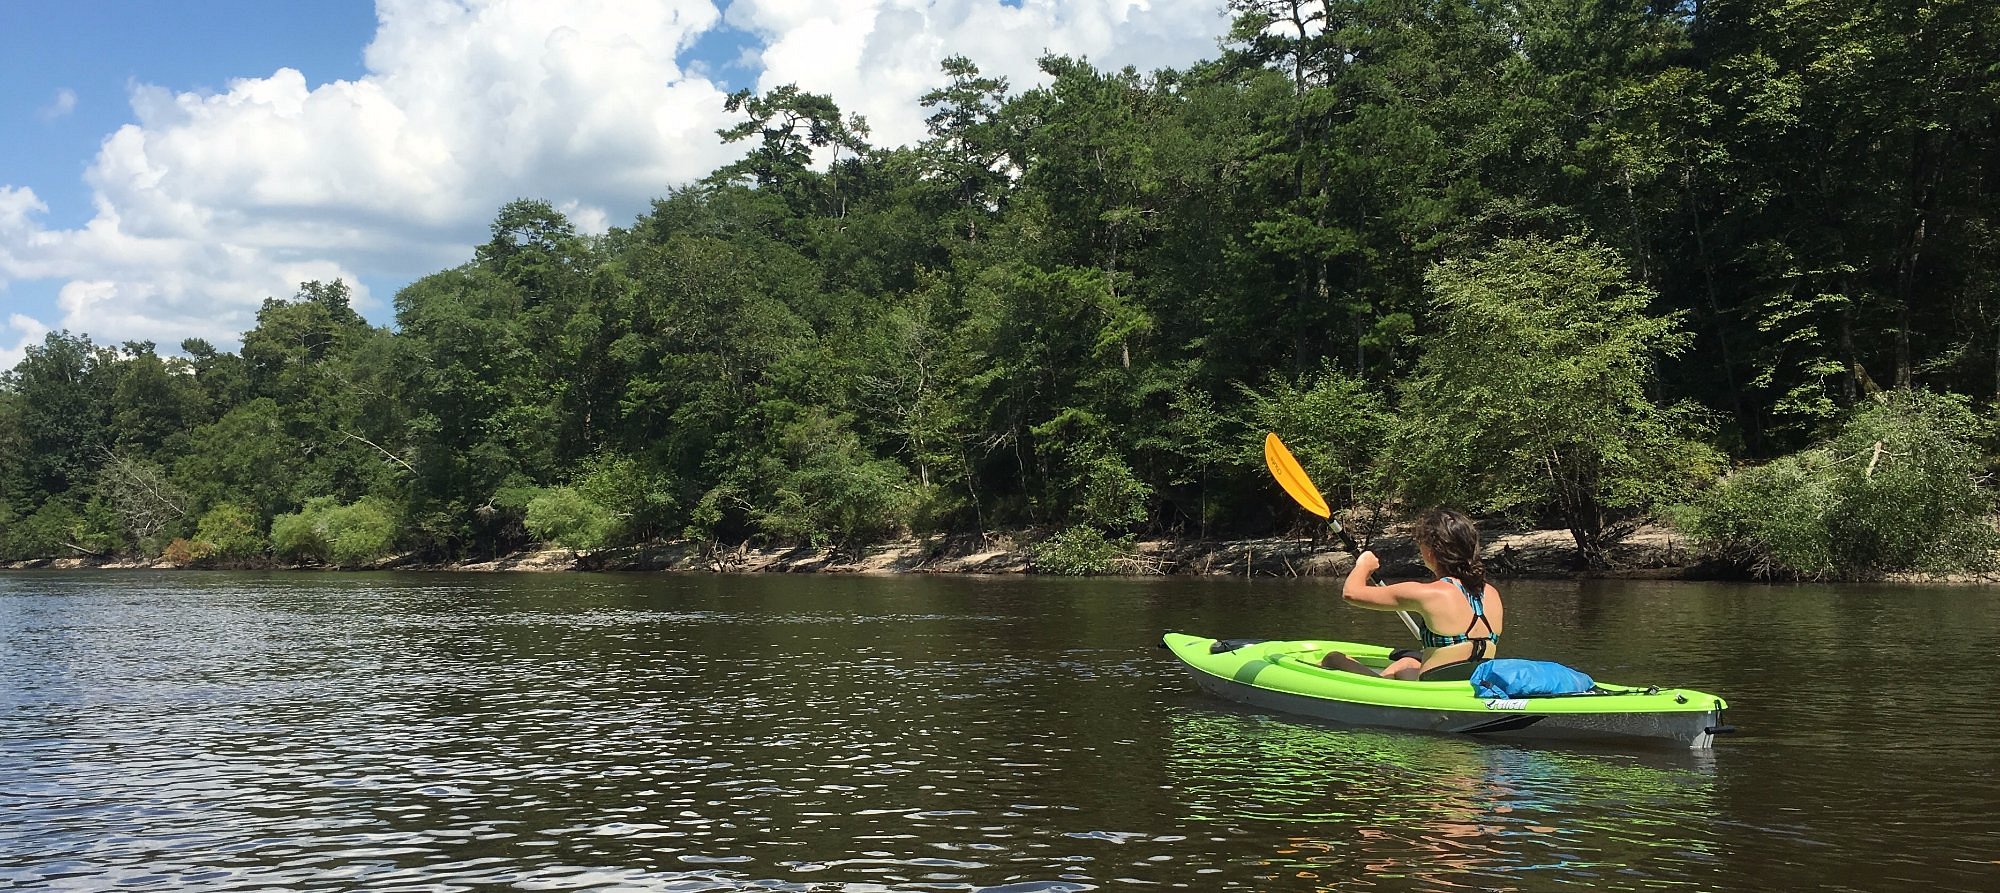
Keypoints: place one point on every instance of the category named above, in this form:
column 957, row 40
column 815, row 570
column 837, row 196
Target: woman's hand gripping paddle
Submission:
column 1292, row 477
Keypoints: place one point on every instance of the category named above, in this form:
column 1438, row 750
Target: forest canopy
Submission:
column 1567, row 261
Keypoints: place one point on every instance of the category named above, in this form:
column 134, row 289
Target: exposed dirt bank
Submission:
column 1652, row 552
column 1649, row 553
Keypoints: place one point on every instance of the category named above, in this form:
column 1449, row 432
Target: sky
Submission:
column 167, row 166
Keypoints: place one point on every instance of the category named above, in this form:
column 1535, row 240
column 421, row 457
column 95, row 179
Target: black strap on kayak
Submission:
column 1224, row 646
column 1598, row 691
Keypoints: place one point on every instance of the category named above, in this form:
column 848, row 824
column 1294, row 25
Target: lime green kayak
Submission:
column 1286, row 676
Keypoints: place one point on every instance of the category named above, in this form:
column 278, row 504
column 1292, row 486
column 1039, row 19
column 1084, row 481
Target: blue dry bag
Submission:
column 1510, row 678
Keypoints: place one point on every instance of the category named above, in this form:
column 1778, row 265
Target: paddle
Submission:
column 1292, row 477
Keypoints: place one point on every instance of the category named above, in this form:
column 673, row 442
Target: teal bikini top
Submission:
column 1434, row 640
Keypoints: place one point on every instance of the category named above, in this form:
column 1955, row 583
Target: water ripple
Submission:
column 246, row 732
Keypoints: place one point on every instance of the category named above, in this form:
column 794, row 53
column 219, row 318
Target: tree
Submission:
column 286, row 353
column 344, row 535
column 791, row 125
column 231, row 531
column 477, row 397
column 153, row 400
column 63, row 390
column 1843, row 218
column 141, row 494
column 221, row 379
column 1897, row 489
column 246, row 457
column 536, row 248
column 1533, row 395
column 565, row 517
column 1333, row 423
column 967, row 148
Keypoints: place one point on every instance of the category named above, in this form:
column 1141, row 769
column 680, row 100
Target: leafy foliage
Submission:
column 231, row 532
column 342, row 535
column 1334, row 424
column 1897, row 489
column 1079, row 552
column 1534, row 394
column 564, row 516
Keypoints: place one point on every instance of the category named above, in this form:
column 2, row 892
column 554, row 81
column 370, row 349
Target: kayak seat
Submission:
column 1453, row 672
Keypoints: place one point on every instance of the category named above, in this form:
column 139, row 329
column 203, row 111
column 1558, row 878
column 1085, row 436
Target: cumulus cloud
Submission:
column 25, row 332
column 62, row 105
column 878, row 57
column 209, row 202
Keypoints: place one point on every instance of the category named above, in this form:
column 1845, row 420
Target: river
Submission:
column 219, row 731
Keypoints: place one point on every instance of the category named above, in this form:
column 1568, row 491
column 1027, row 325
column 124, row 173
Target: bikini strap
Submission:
column 1478, row 613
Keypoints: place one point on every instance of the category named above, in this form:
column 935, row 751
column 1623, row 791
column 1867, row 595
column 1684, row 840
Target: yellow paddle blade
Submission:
column 1293, row 478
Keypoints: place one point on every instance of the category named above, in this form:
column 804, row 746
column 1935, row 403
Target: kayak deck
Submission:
column 1286, row 676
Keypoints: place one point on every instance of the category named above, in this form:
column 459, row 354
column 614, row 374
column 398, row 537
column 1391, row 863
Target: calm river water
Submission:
column 689, row 733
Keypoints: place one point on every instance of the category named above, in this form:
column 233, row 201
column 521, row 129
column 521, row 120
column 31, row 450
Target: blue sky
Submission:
column 167, row 165
column 92, row 51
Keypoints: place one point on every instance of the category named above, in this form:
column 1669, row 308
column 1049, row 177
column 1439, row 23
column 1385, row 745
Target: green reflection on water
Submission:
column 1363, row 808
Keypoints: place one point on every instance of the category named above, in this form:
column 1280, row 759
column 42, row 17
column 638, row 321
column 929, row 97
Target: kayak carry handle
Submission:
column 1720, row 730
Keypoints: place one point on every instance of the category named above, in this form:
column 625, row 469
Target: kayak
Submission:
column 1286, row 676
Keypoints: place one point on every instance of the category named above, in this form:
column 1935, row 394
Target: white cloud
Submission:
column 62, row 105
column 30, row 332
column 878, row 57
column 209, row 202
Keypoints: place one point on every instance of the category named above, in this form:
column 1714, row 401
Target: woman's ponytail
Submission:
column 1453, row 541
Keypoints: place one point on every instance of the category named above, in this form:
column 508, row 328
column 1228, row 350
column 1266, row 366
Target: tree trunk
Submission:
column 1753, row 430
column 1921, row 191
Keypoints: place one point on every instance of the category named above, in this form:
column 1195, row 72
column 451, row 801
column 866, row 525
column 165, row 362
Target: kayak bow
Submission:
column 1286, row 676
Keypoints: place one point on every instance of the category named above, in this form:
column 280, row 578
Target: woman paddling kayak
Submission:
column 1460, row 599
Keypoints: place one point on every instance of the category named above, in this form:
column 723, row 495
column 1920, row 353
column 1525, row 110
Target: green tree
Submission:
column 1532, row 397
column 153, row 399
column 247, row 457
column 828, row 489
column 1837, row 221
column 329, row 377
column 564, row 516
column 967, row 149
column 287, row 353
column 790, row 125
column 63, row 391
column 642, row 496
column 478, row 404
column 296, row 536
column 343, row 535
column 1897, row 489
column 231, row 532
column 1337, row 427
column 53, row 530
column 220, row 378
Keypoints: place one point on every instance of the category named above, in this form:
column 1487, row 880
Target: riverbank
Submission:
column 1648, row 553
column 1652, row 552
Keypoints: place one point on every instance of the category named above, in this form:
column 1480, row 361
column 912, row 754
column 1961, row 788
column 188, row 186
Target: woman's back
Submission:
column 1462, row 616
column 1454, row 621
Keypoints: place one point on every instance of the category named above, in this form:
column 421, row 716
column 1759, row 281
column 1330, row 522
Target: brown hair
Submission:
column 1453, row 541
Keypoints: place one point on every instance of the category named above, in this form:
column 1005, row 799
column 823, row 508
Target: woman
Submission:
column 1458, row 602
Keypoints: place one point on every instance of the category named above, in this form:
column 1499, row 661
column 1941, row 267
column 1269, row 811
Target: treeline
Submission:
column 1559, row 259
